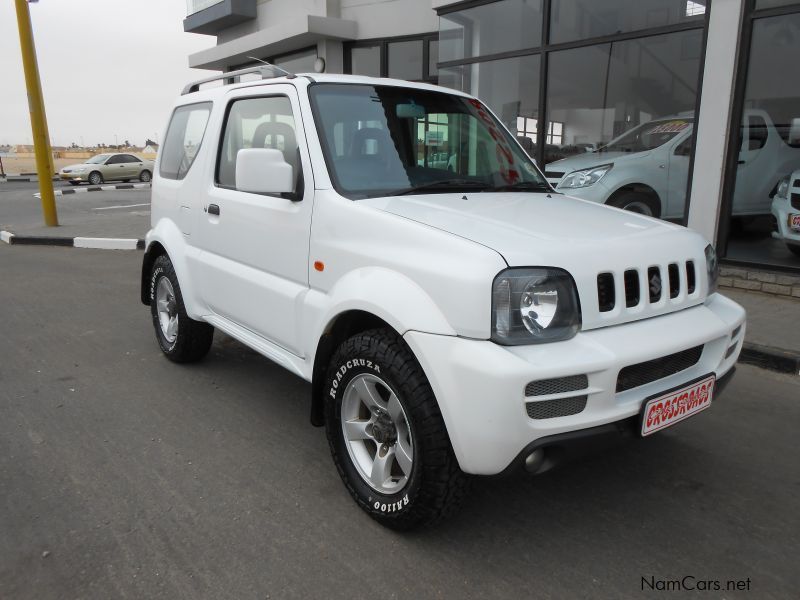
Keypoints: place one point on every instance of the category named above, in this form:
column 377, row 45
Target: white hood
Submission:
column 553, row 230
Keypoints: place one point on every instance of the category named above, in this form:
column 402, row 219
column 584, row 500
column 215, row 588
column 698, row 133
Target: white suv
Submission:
column 451, row 320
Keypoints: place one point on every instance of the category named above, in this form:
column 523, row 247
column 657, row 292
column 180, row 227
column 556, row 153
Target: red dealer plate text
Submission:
column 794, row 222
column 673, row 407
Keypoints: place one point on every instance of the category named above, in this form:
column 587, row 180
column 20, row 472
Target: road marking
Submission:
column 125, row 206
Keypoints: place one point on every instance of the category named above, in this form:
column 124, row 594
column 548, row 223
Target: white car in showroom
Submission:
column 450, row 323
column 786, row 210
column 645, row 170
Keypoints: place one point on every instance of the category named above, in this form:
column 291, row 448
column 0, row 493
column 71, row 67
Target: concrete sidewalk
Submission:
column 120, row 220
column 772, row 339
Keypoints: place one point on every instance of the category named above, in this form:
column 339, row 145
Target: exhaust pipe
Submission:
column 535, row 461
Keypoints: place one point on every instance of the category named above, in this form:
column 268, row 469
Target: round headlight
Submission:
column 538, row 306
column 534, row 305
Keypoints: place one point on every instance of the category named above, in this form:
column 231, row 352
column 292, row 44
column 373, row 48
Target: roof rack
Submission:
column 267, row 71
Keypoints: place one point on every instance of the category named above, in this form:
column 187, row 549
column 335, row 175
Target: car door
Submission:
column 680, row 152
column 133, row 166
column 751, row 194
column 254, row 248
column 115, row 168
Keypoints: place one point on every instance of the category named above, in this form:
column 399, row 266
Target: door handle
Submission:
column 213, row 209
column 741, row 162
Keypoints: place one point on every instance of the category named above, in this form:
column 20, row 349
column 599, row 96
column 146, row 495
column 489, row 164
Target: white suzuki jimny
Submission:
column 453, row 317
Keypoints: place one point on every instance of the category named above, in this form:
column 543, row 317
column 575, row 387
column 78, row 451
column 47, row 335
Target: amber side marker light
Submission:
column 319, row 265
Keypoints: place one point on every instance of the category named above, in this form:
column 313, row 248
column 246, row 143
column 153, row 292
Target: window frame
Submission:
column 163, row 149
column 735, row 138
column 544, row 48
column 383, row 46
column 299, row 184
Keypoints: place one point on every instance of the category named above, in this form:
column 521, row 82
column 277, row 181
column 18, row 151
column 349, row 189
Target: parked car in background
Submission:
column 646, row 169
column 108, row 167
column 786, row 209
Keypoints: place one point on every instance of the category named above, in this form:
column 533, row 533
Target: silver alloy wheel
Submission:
column 377, row 434
column 144, row 177
column 167, row 308
column 95, row 178
column 637, row 206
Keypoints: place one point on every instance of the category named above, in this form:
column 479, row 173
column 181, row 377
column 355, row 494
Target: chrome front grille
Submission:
column 651, row 285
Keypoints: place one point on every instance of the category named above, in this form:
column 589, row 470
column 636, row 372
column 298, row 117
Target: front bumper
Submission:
column 73, row 176
column 781, row 209
column 480, row 385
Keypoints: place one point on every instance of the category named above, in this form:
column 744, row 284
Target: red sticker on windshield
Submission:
column 669, row 127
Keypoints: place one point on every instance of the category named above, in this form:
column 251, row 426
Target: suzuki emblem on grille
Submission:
column 655, row 285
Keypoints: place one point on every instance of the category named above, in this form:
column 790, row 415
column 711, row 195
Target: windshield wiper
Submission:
column 528, row 186
column 444, row 185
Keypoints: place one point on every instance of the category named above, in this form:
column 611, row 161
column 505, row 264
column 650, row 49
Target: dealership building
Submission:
column 685, row 109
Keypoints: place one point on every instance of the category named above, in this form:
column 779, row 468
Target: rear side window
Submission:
column 184, row 137
column 266, row 122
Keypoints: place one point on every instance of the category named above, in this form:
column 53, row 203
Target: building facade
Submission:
column 685, row 109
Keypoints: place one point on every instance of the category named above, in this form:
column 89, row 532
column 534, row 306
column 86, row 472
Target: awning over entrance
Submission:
column 285, row 37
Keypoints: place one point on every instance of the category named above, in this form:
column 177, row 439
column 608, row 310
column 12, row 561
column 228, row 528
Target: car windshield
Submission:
column 648, row 136
column 389, row 140
column 96, row 160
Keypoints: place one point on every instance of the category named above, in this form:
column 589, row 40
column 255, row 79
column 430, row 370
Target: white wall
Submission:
column 715, row 113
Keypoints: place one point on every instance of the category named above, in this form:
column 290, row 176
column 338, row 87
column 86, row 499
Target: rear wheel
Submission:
column 387, row 436
column 181, row 338
column 636, row 202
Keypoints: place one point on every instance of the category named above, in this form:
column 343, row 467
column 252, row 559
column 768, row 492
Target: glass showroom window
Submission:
column 766, row 183
column 621, row 115
column 412, row 59
column 573, row 20
column 510, row 87
column 490, row 29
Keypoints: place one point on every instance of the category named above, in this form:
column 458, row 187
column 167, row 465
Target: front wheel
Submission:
column 181, row 338
column 95, row 178
column 386, row 433
column 637, row 203
column 145, row 176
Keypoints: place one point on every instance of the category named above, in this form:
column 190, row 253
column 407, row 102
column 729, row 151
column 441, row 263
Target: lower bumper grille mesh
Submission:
column 646, row 372
column 560, row 407
column 559, row 385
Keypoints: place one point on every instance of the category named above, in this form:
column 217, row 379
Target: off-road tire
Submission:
column 436, row 485
column 95, row 178
column 636, row 202
column 193, row 339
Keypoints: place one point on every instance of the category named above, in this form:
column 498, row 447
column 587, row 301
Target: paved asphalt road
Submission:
column 123, row 475
column 120, row 213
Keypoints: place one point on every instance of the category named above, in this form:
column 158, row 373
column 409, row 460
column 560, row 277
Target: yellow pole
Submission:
column 41, row 142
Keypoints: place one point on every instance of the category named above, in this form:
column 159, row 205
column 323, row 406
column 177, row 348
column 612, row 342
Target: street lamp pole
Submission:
column 41, row 140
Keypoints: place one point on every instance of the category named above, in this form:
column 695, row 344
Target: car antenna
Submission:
column 289, row 74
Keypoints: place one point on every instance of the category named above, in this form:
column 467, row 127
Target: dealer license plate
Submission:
column 673, row 407
column 794, row 222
